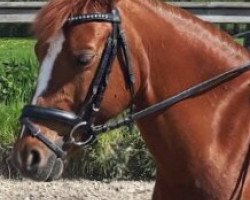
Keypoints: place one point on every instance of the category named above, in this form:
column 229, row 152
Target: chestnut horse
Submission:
column 200, row 145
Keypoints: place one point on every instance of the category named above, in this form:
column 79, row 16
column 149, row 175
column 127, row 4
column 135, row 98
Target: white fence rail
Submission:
column 216, row 12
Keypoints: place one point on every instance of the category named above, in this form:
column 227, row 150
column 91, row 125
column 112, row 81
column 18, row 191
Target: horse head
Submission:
column 84, row 69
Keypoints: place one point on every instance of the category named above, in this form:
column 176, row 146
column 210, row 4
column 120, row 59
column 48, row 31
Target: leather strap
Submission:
column 41, row 113
column 35, row 132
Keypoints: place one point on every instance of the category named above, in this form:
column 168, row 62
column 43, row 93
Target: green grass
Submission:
column 18, row 67
column 17, row 49
column 9, row 122
column 118, row 154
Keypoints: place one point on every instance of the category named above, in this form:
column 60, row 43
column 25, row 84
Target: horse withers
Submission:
column 100, row 56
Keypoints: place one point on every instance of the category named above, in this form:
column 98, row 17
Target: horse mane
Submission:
column 53, row 16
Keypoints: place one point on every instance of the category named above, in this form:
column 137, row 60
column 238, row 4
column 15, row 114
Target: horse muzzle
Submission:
column 35, row 163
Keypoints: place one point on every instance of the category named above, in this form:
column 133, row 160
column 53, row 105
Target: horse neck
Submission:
column 171, row 42
column 172, row 51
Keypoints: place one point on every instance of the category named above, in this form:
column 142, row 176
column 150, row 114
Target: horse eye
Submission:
column 85, row 58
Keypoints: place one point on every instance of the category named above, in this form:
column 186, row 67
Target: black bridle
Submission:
column 116, row 44
column 84, row 121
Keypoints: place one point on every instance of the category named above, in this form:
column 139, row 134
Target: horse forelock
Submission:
column 54, row 15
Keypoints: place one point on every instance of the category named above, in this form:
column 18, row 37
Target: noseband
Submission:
column 83, row 122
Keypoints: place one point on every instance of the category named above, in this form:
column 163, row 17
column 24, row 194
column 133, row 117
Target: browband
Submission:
column 96, row 17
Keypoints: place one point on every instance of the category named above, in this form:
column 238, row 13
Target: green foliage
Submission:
column 118, row 154
column 14, row 77
column 18, row 69
column 9, row 123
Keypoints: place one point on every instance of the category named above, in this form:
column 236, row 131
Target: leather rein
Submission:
column 84, row 121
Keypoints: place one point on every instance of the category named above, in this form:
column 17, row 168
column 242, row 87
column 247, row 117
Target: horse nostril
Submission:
column 33, row 160
column 36, row 157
